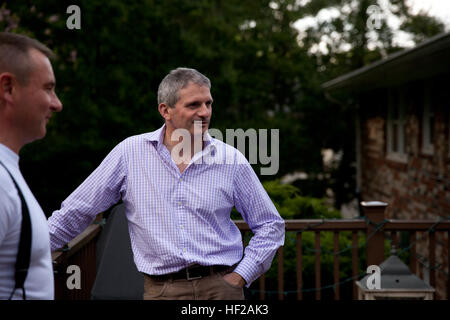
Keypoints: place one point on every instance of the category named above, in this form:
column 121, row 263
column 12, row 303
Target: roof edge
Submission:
column 331, row 84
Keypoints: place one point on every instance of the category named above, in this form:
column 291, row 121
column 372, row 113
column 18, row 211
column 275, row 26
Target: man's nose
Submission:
column 204, row 111
column 56, row 105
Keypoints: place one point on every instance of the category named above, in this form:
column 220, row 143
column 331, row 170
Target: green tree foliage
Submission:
column 108, row 73
column 292, row 205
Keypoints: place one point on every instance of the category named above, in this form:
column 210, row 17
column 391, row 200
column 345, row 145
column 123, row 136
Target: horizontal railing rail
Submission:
column 377, row 230
column 81, row 251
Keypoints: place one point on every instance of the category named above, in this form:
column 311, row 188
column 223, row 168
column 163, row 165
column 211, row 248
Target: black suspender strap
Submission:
column 23, row 254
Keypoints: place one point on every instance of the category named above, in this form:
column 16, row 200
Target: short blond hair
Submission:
column 15, row 57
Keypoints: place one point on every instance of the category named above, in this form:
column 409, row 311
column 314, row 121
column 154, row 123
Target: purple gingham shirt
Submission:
column 174, row 218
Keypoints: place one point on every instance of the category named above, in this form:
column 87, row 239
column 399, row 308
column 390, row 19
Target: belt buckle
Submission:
column 188, row 276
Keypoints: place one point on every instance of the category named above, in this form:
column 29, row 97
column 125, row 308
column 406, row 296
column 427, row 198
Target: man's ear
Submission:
column 6, row 86
column 163, row 109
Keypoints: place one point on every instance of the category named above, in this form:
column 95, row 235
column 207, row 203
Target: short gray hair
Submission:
column 176, row 80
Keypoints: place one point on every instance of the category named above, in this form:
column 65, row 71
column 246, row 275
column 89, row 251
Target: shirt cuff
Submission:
column 246, row 270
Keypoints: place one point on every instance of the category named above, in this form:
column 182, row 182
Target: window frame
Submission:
column 396, row 99
column 428, row 116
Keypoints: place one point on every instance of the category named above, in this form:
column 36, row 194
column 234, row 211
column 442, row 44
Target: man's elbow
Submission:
column 280, row 229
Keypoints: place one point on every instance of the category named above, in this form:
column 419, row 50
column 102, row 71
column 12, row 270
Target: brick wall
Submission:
column 418, row 188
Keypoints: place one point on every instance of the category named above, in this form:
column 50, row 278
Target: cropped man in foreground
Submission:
column 178, row 206
column 27, row 101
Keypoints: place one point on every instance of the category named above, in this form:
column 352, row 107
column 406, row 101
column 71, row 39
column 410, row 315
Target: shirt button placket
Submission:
column 181, row 206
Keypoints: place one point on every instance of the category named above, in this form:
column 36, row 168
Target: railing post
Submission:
column 317, row 264
column 299, row 267
column 281, row 273
column 375, row 213
column 262, row 287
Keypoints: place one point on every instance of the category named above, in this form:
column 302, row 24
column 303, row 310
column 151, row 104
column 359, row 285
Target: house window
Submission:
column 396, row 126
column 427, row 123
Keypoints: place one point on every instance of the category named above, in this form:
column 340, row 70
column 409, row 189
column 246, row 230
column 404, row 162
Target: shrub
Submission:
column 292, row 205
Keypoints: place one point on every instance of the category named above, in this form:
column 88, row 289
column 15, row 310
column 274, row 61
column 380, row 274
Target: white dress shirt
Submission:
column 39, row 282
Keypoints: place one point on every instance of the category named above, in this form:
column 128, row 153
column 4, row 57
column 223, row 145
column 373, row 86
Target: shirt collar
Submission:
column 157, row 138
column 209, row 141
column 8, row 155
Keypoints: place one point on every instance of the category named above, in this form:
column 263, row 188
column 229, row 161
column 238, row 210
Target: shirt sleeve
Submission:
column 258, row 211
column 102, row 189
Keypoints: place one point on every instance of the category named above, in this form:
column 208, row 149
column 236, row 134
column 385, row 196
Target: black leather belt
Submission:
column 192, row 272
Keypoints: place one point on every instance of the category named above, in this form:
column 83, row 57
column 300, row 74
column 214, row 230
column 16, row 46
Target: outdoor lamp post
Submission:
column 396, row 282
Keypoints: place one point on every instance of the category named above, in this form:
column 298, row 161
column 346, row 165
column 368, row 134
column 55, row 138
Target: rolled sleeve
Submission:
column 102, row 189
column 257, row 209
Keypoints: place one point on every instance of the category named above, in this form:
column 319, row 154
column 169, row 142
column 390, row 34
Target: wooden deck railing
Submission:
column 81, row 251
column 374, row 226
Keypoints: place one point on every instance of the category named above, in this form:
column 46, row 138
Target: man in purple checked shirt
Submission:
column 178, row 208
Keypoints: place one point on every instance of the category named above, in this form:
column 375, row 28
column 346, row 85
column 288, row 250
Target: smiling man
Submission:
column 27, row 101
column 182, row 236
column 187, row 119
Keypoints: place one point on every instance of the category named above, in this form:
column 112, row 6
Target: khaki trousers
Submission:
column 212, row 287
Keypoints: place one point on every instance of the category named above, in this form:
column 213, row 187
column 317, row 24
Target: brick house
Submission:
column 402, row 106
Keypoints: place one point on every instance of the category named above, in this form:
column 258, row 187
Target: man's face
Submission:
column 194, row 104
column 36, row 100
